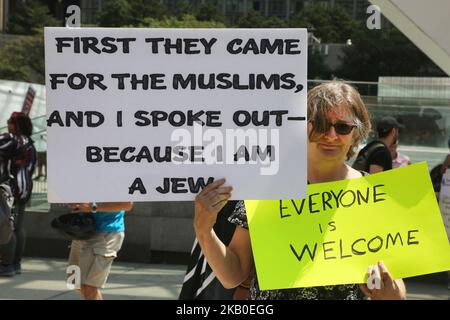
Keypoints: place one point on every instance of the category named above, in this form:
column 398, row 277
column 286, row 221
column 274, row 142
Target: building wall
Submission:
column 155, row 232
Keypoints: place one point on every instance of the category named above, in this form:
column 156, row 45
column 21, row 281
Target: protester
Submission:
column 41, row 165
column 95, row 256
column 398, row 159
column 436, row 175
column 446, row 163
column 18, row 162
column 444, row 168
column 376, row 155
column 338, row 122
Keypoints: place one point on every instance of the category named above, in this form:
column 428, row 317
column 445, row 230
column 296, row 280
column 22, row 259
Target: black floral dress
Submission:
column 338, row 292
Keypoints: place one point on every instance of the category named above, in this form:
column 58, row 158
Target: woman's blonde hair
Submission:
column 327, row 96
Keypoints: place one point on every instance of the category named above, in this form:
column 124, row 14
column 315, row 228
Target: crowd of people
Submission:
column 222, row 265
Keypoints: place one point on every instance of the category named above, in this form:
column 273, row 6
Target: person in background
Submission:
column 41, row 165
column 444, row 168
column 18, row 162
column 376, row 155
column 398, row 160
column 95, row 256
column 446, row 163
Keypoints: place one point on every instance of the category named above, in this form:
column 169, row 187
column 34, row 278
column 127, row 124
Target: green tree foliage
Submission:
column 182, row 8
column 209, row 12
column 119, row 13
column 30, row 18
column 317, row 69
column 330, row 24
column 22, row 59
column 116, row 13
column 141, row 9
column 254, row 19
column 316, row 66
column 186, row 21
column 385, row 52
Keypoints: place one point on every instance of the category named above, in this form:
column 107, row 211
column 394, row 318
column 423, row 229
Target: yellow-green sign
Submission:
column 341, row 228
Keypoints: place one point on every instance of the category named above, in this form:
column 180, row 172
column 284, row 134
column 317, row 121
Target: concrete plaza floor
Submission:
column 44, row 279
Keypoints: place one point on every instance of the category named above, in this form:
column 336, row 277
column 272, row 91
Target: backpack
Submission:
column 6, row 216
column 75, row 225
column 361, row 161
column 20, row 165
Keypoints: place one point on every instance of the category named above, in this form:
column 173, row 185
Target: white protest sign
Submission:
column 156, row 114
column 444, row 201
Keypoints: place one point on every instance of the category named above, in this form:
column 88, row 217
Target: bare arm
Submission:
column 114, row 206
column 232, row 264
column 102, row 206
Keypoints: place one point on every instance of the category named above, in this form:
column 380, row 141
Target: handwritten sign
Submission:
column 340, row 228
column 156, row 114
column 444, row 201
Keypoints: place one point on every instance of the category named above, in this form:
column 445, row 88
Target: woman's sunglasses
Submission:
column 341, row 128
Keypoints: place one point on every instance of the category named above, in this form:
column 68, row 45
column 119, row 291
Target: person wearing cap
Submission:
column 17, row 163
column 377, row 153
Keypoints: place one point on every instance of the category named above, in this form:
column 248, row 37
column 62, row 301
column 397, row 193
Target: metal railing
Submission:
column 40, row 186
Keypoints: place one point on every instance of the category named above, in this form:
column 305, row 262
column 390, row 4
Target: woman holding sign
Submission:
column 338, row 122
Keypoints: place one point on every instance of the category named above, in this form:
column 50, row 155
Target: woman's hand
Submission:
column 390, row 289
column 208, row 203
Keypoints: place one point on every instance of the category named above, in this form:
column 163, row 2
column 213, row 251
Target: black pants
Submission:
column 12, row 251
